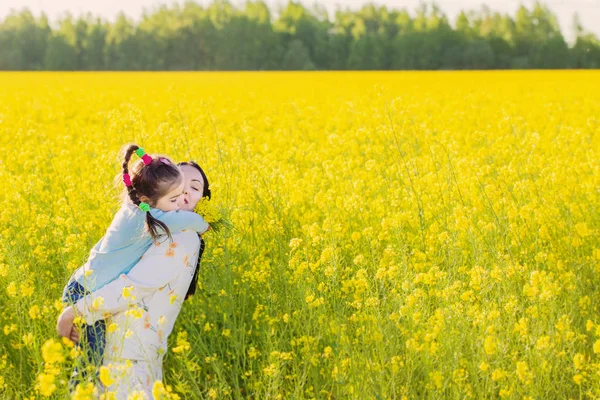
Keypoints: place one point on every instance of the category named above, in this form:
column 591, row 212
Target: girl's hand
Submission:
column 209, row 228
column 74, row 335
column 64, row 326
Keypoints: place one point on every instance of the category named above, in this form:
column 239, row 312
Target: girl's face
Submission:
column 173, row 200
column 194, row 187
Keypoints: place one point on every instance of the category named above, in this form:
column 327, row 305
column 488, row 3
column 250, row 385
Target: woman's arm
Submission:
column 159, row 266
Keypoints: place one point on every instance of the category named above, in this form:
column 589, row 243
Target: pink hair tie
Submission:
column 126, row 180
column 147, row 159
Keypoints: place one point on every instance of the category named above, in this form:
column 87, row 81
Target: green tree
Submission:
column 297, row 57
column 61, row 54
column 94, row 56
column 223, row 36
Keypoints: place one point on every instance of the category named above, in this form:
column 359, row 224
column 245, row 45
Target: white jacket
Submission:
column 144, row 304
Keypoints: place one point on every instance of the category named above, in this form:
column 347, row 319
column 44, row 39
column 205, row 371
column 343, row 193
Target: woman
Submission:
column 143, row 304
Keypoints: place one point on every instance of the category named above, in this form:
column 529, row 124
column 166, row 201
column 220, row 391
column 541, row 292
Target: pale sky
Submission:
column 588, row 10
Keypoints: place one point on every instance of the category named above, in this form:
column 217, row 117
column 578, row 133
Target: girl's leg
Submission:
column 92, row 341
column 95, row 335
column 72, row 292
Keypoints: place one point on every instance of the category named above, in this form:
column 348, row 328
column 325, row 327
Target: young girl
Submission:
column 149, row 212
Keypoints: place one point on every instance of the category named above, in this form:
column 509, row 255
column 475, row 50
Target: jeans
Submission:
column 92, row 335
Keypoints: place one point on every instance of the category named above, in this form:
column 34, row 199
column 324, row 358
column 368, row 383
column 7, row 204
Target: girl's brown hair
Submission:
column 152, row 181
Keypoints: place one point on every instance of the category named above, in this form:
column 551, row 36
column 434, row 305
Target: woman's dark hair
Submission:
column 206, row 190
column 205, row 193
column 152, row 181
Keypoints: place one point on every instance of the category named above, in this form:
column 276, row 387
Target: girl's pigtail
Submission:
column 154, row 224
column 126, row 179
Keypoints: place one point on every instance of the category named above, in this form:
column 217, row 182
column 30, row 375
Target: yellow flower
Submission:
column 46, row 384
column 84, row 391
column 270, row 370
column 213, row 215
column 108, row 396
column 52, row 352
column 28, row 339
column 126, row 292
column 437, row 378
column 582, row 229
column 523, row 372
column 74, row 353
column 11, row 289
column 105, row 377
column 498, row 374
column 253, row 353
column 98, row 303
column 205, row 208
column 34, row 312
column 27, row 289
column 158, row 391
column 182, row 343
column 138, row 395
column 543, row 343
column 589, row 325
column 490, row 345
column 295, row 243
column 135, row 312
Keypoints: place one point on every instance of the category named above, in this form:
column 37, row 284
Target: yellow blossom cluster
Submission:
column 397, row 235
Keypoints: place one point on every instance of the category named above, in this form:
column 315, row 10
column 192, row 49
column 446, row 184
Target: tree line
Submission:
column 221, row 36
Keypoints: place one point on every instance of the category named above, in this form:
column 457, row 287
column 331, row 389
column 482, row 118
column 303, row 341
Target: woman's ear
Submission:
column 145, row 199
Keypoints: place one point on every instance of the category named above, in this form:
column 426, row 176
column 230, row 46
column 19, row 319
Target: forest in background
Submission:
column 221, row 36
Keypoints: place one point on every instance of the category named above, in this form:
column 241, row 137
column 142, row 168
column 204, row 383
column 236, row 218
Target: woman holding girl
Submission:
column 130, row 307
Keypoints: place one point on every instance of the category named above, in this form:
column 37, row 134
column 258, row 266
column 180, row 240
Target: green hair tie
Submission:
column 144, row 206
column 140, row 152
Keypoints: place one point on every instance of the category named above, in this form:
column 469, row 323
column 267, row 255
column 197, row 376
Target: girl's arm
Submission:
column 177, row 221
column 159, row 266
